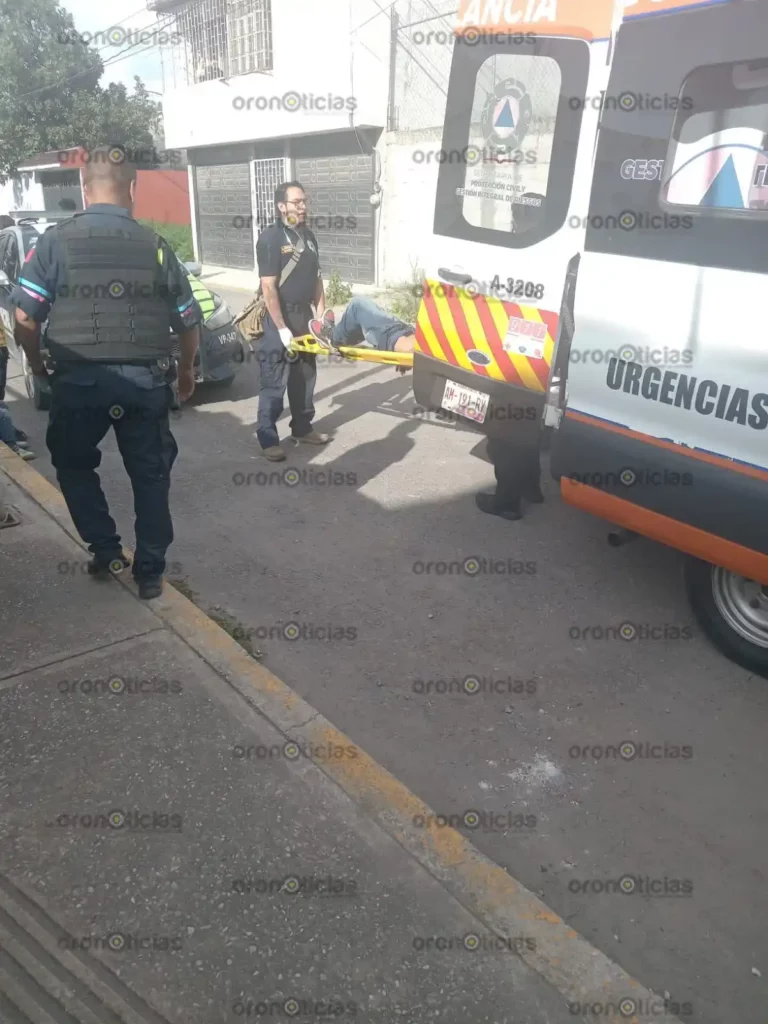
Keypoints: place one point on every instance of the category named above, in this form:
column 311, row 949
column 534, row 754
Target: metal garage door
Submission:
column 224, row 208
column 339, row 187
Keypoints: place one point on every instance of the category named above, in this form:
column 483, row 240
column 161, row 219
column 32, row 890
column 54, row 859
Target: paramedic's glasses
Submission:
column 296, row 202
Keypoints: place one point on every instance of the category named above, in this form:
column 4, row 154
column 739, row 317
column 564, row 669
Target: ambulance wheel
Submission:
column 40, row 399
column 732, row 611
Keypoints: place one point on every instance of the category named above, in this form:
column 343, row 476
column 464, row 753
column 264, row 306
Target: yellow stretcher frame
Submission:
column 306, row 343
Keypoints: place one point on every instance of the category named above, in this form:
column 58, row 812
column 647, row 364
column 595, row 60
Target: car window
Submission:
column 29, row 238
column 9, row 262
column 4, row 240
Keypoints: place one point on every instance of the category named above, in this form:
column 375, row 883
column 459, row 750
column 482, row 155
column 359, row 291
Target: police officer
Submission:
column 112, row 291
column 291, row 282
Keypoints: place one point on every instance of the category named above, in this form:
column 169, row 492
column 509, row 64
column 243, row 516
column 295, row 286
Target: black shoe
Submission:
column 489, row 503
column 150, row 587
column 20, row 436
column 99, row 566
column 534, row 495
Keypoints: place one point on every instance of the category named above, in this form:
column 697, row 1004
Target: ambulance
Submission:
column 616, row 283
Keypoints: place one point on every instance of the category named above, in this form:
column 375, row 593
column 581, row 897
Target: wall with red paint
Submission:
column 162, row 196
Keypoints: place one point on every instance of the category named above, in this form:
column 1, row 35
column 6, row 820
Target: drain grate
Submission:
column 40, row 983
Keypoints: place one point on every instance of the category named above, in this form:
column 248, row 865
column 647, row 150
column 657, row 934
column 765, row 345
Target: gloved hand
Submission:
column 286, row 336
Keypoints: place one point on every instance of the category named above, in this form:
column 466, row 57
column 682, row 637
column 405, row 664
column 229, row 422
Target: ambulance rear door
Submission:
column 512, row 194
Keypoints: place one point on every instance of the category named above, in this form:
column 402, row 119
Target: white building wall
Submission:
column 407, row 209
column 21, row 193
column 319, row 49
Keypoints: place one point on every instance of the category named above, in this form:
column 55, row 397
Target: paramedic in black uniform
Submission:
column 291, row 282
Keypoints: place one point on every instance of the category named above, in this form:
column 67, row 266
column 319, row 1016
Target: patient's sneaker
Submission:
column 322, row 330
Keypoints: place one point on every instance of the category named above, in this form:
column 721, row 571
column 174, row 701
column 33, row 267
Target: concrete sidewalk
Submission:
column 185, row 840
column 218, row 277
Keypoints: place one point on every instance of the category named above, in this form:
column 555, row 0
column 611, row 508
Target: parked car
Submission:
column 221, row 346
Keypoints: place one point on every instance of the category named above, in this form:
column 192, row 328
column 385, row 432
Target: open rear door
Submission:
column 512, row 193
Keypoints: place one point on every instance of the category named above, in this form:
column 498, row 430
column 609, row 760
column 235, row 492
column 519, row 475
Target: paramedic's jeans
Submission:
column 363, row 320
column 81, row 415
column 279, row 372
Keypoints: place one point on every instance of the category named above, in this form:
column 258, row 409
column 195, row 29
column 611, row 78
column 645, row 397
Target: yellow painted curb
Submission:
column 579, row 971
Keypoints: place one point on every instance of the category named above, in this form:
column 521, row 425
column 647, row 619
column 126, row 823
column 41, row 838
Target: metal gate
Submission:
column 340, row 214
column 224, row 215
column 267, row 175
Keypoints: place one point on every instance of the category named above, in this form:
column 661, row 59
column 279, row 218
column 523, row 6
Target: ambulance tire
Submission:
column 700, row 584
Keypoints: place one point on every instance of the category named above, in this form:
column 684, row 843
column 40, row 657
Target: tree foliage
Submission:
column 50, row 97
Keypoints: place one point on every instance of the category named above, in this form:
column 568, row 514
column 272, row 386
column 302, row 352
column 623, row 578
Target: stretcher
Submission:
column 306, row 343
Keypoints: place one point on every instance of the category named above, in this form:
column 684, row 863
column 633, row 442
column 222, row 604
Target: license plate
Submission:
column 467, row 402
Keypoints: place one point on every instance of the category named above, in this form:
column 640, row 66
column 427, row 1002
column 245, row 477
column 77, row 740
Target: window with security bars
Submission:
column 268, row 174
column 224, row 38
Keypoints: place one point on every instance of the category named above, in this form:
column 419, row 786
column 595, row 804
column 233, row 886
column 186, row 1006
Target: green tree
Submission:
column 50, row 97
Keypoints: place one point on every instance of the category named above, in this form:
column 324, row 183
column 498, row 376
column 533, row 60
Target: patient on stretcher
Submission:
column 366, row 325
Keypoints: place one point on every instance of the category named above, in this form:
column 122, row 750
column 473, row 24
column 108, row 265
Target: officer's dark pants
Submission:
column 276, row 374
column 81, row 415
column 516, row 466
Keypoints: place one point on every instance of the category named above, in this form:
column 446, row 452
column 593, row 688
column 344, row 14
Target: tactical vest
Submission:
column 112, row 306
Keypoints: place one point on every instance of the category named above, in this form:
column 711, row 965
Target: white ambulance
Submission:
column 613, row 283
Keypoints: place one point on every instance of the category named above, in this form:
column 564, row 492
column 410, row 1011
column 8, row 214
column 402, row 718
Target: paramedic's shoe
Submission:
column 100, row 566
column 21, row 437
column 274, row 453
column 489, row 503
column 23, row 453
column 150, row 587
column 312, row 438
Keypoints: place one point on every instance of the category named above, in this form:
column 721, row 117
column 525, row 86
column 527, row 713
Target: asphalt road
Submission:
column 371, row 553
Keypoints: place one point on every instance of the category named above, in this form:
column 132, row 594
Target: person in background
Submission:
column 5, row 222
column 291, row 282
column 516, row 458
column 8, row 435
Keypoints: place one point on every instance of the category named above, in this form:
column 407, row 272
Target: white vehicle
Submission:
column 653, row 367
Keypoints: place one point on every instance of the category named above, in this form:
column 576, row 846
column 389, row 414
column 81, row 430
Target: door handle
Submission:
column 454, row 277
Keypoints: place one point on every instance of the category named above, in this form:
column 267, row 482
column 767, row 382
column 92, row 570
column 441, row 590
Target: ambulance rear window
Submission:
column 507, row 169
column 510, row 138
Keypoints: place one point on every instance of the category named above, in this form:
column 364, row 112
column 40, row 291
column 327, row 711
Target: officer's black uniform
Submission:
column 112, row 291
column 274, row 249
